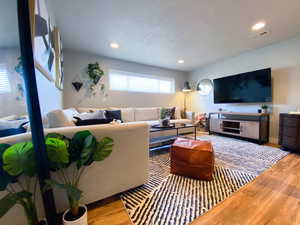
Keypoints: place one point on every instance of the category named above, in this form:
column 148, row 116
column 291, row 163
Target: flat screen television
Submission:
column 250, row 87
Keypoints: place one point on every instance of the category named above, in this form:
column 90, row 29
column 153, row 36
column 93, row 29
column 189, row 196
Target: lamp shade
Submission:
column 186, row 87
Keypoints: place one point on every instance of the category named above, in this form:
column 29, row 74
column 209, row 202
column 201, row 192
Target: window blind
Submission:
column 4, row 81
column 127, row 81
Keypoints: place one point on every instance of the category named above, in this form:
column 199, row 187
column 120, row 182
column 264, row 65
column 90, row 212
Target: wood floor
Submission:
column 273, row 198
column 108, row 212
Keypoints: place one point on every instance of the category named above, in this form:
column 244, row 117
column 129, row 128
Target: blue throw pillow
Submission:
column 114, row 114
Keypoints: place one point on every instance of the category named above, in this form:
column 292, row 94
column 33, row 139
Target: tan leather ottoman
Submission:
column 192, row 158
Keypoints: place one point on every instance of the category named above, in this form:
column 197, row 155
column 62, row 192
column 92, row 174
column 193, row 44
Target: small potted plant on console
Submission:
column 264, row 108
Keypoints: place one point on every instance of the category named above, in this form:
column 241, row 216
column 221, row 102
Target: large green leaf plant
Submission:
column 84, row 149
column 18, row 174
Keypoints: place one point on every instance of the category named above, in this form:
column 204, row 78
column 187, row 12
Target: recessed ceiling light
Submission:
column 114, row 45
column 258, row 26
column 180, row 61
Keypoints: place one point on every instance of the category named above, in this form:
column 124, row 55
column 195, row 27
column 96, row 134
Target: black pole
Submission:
column 33, row 107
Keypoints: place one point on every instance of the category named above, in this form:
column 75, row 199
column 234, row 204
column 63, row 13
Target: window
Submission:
column 126, row 81
column 4, row 82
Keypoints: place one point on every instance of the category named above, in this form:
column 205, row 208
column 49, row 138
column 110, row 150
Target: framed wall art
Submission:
column 46, row 41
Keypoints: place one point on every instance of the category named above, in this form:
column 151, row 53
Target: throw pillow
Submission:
column 114, row 114
column 100, row 114
column 58, row 118
column 10, row 124
column 167, row 112
column 87, row 122
column 13, row 131
column 69, row 113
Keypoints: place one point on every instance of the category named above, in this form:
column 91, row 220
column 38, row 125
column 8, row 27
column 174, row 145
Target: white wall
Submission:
column 283, row 58
column 75, row 64
column 49, row 96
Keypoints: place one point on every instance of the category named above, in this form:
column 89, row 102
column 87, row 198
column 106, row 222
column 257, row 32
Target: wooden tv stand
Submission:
column 248, row 126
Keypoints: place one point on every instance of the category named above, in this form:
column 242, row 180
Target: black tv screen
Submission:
column 246, row 87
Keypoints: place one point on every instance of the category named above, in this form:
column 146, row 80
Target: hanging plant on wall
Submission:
column 19, row 67
column 95, row 74
column 20, row 88
column 90, row 82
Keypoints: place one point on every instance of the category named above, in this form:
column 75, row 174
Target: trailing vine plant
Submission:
column 95, row 74
column 20, row 87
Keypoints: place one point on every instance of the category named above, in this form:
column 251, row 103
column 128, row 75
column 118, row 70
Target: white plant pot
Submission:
column 80, row 221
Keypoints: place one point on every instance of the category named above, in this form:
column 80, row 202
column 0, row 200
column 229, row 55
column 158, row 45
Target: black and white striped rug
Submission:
column 175, row 200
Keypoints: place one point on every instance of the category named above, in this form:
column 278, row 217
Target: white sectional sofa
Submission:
column 125, row 168
column 151, row 116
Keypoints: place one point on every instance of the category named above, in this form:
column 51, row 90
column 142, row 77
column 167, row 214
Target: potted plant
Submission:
column 264, row 108
column 83, row 150
column 18, row 175
column 95, row 72
column 165, row 115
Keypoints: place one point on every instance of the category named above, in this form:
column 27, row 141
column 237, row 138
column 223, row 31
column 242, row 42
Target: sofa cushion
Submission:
column 127, row 114
column 144, row 114
column 58, row 118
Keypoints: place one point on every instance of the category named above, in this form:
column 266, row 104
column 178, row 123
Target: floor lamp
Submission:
column 186, row 90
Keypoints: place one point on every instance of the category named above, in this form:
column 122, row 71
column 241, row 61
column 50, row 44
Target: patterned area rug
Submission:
column 175, row 200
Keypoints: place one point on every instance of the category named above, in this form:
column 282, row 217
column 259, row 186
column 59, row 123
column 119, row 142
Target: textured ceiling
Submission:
column 159, row 32
column 8, row 24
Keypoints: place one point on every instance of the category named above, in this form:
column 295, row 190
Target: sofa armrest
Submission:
column 124, row 169
column 190, row 116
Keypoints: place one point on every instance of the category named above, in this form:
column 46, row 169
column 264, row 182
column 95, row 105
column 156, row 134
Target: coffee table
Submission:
column 164, row 142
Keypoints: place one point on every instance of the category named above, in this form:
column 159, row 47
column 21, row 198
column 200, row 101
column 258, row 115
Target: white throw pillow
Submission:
column 8, row 124
column 58, row 118
column 70, row 113
column 100, row 114
column 145, row 114
column 83, row 110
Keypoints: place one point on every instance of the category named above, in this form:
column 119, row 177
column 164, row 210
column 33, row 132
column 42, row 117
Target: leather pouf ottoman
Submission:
column 192, row 158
